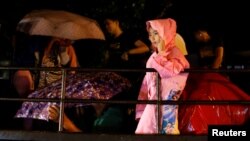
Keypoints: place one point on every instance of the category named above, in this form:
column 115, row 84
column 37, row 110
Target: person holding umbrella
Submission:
column 58, row 53
column 64, row 27
column 61, row 53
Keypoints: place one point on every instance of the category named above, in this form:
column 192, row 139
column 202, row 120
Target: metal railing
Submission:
column 158, row 102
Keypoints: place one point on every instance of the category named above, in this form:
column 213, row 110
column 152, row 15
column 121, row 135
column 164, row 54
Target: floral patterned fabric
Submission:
column 97, row 85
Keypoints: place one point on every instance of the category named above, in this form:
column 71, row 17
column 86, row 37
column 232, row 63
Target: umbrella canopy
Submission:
column 62, row 24
column 101, row 85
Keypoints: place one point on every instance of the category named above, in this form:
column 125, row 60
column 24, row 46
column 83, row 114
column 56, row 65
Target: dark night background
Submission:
column 229, row 18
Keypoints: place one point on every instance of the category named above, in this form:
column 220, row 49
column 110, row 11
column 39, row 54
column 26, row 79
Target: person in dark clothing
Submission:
column 208, row 48
column 125, row 50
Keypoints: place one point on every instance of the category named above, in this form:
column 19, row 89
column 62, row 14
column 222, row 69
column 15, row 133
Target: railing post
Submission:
column 158, row 102
column 60, row 128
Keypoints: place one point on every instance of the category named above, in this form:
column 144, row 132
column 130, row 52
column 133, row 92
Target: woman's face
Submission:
column 156, row 40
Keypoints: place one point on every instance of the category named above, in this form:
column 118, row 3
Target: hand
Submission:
column 53, row 112
column 125, row 56
column 68, row 125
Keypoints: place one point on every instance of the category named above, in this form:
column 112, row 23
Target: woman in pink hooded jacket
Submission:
column 168, row 61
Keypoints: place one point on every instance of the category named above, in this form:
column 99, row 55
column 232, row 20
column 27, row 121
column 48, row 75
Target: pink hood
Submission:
column 166, row 29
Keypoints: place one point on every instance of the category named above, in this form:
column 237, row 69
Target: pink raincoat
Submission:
column 172, row 82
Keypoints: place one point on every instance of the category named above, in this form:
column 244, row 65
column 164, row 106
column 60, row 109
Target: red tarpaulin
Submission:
column 194, row 119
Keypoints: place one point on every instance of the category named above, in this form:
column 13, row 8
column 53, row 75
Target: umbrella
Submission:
column 100, row 85
column 59, row 23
